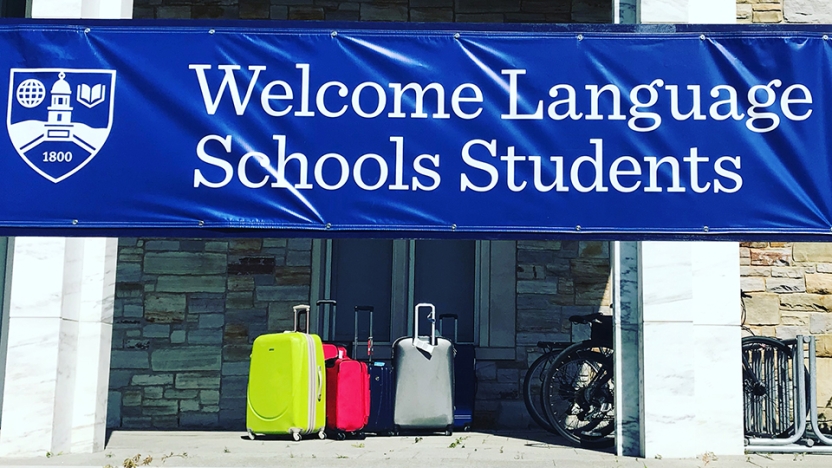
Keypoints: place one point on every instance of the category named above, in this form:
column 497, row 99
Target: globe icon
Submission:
column 30, row 93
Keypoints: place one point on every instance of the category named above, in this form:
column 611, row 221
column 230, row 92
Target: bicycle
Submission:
column 569, row 390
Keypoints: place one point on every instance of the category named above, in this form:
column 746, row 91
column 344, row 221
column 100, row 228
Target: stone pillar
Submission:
column 59, row 320
column 111, row 9
column 677, row 334
column 58, row 356
column 687, row 11
column 678, row 349
column 627, row 345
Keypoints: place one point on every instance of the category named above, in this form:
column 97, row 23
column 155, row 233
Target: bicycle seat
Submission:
column 547, row 346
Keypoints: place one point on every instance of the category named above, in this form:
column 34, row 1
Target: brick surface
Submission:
column 785, row 285
column 767, row 17
column 806, row 302
column 768, row 257
column 819, row 283
column 762, row 309
column 186, row 358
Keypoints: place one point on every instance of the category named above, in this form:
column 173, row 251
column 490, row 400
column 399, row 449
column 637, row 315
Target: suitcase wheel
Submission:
column 340, row 435
column 449, row 430
column 322, row 434
column 466, row 428
column 296, row 436
column 251, row 435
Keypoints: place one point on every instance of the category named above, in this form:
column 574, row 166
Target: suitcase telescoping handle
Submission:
column 358, row 310
column 442, row 318
column 302, row 309
column 431, row 319
column 323, row 323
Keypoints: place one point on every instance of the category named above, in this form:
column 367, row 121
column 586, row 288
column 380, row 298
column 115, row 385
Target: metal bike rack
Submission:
column 801, row 441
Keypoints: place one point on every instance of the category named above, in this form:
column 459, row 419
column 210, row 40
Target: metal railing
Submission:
column 784, row 408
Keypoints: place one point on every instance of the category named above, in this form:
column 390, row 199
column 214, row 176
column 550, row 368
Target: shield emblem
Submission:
column 59, row 118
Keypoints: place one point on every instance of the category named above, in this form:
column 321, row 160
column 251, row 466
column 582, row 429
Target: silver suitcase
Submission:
column 424, row 367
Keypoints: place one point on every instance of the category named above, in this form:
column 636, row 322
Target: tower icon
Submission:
column 59, row 124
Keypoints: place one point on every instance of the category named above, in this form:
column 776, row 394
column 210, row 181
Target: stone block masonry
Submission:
column 186, row 313
column 763, row 11
column 790, row 289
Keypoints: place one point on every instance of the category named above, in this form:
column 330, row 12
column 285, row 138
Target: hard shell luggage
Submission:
column 465, row 375
column 286, row 386
column 424, row 379
column 348, row 391
column 382, row 390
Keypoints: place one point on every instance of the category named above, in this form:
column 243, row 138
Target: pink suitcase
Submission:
column 347, row 390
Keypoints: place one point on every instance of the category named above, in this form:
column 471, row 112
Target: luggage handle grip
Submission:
column 301, row 309
column 369, row 310
column 456, row 325
column 431, row 319
column 320, row 383
column 326, row 328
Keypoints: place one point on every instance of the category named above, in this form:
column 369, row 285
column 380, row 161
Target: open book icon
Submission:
column 91, row 96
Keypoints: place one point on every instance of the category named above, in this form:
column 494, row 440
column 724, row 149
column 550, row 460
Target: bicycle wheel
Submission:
column 532, row 384
column 578, row 395
column 768, row 387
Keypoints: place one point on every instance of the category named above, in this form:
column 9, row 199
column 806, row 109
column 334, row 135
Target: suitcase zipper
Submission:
column 310, row 347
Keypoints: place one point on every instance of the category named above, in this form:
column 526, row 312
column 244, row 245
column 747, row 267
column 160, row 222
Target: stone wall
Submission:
column 473, row 11
column 760, row 11
column 186, row 313
column 790, row 285
column 784, row 11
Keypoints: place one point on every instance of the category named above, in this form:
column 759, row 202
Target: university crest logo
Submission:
column 59, row 118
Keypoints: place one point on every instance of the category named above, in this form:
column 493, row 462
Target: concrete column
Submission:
column 686, row 11
column 627, row 356
column 112, row 9
column 678, row 377
column 678, row 349
column 717, row 339
column 58, row 355
column 59, row 315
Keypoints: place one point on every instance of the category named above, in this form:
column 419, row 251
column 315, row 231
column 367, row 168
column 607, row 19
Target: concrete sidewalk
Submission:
column 469, row 449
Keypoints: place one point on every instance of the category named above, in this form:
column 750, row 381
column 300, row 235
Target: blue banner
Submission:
column 136, row 127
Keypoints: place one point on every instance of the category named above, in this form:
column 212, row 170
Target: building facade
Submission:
column 185, row 311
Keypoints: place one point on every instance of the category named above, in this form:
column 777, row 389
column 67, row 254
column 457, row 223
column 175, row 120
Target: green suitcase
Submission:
column 286, row 383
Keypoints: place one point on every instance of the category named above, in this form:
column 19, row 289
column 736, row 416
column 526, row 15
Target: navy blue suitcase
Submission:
column 382, row 390
column 382, row 393
column 465, row 377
